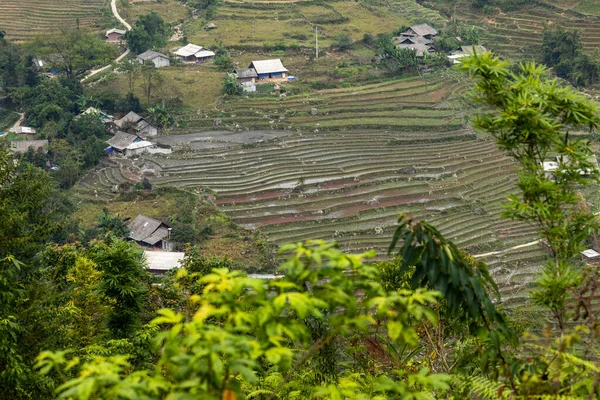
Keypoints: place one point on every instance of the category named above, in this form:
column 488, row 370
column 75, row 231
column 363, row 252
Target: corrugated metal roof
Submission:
column 246, row 73
column 119, row 31
column 150, row 55
column 130, row 117
column 204, row 53
column 268, row 66
column 163, row 260
column 122, row 140
column 138, row 145
column 188, row 50
column 421, row 49
column 156, row 236
column 142, row 227
column 424, row 30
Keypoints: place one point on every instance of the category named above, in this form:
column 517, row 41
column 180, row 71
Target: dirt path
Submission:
column 18, row 123
column 113, row 6
column 520, row 246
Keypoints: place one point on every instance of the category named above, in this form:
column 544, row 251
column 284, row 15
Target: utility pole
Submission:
column 317, row 41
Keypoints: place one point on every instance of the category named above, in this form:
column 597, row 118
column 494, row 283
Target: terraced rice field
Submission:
column 268, row 23
column 518, row 34
column 24, row 19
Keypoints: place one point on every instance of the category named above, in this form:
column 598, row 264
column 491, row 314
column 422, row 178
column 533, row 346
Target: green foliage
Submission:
column 251, row 336
column 342, row 41
column 205, row 8
column 150, row 32
column 563, row 51
column 122, row 269
column 73, row 51
column 231, row 86
column 112, row 224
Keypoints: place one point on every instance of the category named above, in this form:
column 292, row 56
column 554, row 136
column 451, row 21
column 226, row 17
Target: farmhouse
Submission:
column 121, row 140
column 150, row 232
column 246, row 75
column 114, row 35
column 195, row 54
column 21, row 146
column 138, row 124
column 158, row 59
column 159, row 262
column 422, row 30
column 266, row 69
column 420, row 49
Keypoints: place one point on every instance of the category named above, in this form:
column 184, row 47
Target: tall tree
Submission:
column 150, row 32
column 73, row 51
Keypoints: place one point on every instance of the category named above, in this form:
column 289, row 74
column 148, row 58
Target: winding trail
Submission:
column 18, row 123
column 113, row 6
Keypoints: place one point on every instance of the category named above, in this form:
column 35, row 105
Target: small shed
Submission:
column 423, row 30
column 150, row 232
column 21, row 146
column 160, row 262
column 246, row 75
column 212, row 25
column 266, row 69
column 114, row 35
column 158, row 59
column 194, row 53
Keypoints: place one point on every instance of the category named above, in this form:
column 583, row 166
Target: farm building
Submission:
column 159, row 262
column 266, row 69
column 21, row 146
column 194, row 53
column 421, row 49
column 138, row 124
column 158, row 59
column 25, row 130
column 121, row 140
column 246, row 75
column 423, row 30
column 114, row 35
column 150, row 232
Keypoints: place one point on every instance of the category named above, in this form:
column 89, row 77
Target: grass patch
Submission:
column 197, row 86
column 591, row 7
column 170, row 10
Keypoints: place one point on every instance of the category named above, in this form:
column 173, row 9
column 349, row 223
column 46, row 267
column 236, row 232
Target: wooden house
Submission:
column 158, row 59
column 114, row 35
column 246, row 75
column 194, row 54
column 423, row 30
column 267, row 69
column 150, row 232
column 138, row 123
column 421, row 49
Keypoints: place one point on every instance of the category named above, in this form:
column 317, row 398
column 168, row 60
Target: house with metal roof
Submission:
column 138, row 123
column 160, row 262
column 420, row 49
column 114, row 35
column 150, row 232
column 121, row 140
column 423, row 30
column 158, row 59
column 266, row 69
column 194, row 53
column 246, row 75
